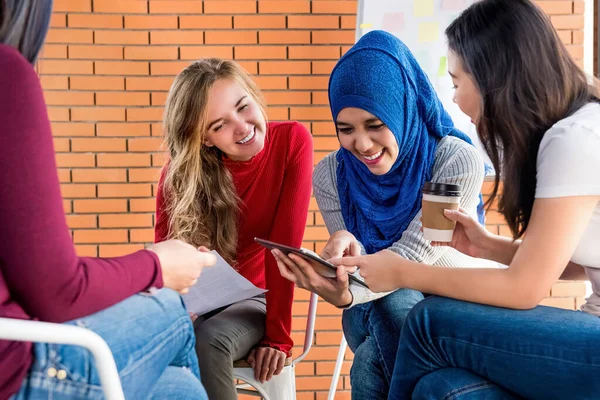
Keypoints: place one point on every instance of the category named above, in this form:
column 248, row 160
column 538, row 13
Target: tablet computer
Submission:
column 323, row 267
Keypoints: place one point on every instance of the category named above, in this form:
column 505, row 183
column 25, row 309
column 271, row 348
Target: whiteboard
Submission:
column 420, row 24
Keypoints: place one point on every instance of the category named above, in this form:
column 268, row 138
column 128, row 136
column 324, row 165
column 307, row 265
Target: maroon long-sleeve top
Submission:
column 41, row 277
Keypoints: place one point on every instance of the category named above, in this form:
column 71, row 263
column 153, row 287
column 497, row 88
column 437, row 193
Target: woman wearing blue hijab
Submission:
column 395, row 135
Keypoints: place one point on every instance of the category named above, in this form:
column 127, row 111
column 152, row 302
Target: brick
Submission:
column 76, row 190
column 556, row 7
column 233, row 37
column 65, row 67
column 177, row 37
column 122, row 37
column 571, row 289
column 70, row 36
column 205, row 22
column 287, row 97
column 50, row 82
column 53, row 51
column 260, row 52
column 320, row 98
column 283, row 7
column 567, row 21
column 64, row 175
column 284, row 37
column 348, row 22
column 119, row 250
column 314, row 52
column 126, row 190
column 148, row 83
column 81, row 221
column 58, row 113
column 259, row 22
column 151, row 22
column 99, row 205
column 145, row 145
column 83, row 250
column 158, row 159
column 142, row 205
column 309, row 82
column 328, row 338
column 67, row 206
column 577, row 37
column 313, row 22
column 121, row 6
column 66, row 98
column 96, row 83
column 61, row 145
column 123, row 160
column 313, row 113
column 329, row 143
column 277, row 113
column 122, row 68
column 196, row 52
column 100, row 236
column 100, row 145
column 123, row 129
column 144, row 174
column 316, row 233
column 98, row 114
column 145, row 114
column 97, row 175
column 95, row 21
column 159, row 98
column 168, row 68
column 230, row 7
column 58, row 20
column 576, row 51
column 71, row 6
column 141, row 235
column 565, row 36
column 333, row 37
column 125, row 220
column 151, row 53
column 335, row 7
column 271, row 82
column 122, row 99
column 72, row 129
column 250, row 66
column 578, row 7
column 102, row 52
column 284, row 67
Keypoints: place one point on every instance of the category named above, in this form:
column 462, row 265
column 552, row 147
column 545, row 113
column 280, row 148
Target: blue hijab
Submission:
column 380, row 75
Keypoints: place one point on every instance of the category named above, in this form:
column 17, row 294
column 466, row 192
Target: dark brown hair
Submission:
column 528, row 82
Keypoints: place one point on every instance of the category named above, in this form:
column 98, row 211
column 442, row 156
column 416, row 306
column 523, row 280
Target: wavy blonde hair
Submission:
column 201, row 199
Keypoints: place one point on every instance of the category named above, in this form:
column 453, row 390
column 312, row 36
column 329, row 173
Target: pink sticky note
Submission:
column 454, row 5
column 393, row 22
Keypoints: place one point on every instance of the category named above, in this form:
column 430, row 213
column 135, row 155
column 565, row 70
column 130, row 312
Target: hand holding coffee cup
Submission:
column 438, row 197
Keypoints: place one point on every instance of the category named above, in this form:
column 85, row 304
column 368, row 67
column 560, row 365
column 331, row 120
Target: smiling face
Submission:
column 368, row 139
column 236, row 123
column 466, row 94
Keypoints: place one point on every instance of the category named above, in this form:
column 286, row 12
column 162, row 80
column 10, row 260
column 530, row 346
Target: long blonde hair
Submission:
column 201, row 198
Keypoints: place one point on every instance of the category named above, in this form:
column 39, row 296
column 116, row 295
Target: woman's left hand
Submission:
column 266, row 362
column 380, row 270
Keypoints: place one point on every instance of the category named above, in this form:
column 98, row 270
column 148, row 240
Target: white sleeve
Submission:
column 568, row 162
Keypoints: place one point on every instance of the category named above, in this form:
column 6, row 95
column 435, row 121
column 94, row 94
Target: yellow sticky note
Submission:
column 423, row 8
column 443, row 66
column 366, row 25
column 429, row 32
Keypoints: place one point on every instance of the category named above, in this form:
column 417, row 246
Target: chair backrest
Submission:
column 310, row 327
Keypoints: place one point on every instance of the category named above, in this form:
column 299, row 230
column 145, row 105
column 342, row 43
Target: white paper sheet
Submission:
column 218, row 286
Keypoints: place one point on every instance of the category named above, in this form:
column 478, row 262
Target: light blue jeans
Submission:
column 451, row 349
column 373, row 330
column 152, row 341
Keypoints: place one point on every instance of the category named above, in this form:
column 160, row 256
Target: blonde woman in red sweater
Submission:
column 232, row 176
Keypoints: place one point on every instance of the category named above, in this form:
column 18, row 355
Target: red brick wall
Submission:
column 106, row 69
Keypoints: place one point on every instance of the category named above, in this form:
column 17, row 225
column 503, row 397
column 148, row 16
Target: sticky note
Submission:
column 454, row 5
column 393, row 22
column 443, row 66
column 429, row 32
column 365, row 26
column 423, row 8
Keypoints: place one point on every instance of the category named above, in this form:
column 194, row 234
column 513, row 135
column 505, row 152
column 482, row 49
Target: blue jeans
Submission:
column 152, row 341
column 373, row 330
column 451, row 349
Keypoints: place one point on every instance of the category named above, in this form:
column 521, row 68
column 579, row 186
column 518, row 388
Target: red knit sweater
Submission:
column 41, row 277
column 274, row 188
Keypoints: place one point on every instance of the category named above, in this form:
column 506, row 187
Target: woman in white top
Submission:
column 540, row 123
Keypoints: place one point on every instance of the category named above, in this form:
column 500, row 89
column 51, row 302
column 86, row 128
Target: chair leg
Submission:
column 280, row 387
column 338, row 368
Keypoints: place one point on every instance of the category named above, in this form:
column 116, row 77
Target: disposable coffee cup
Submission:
column 438, row 197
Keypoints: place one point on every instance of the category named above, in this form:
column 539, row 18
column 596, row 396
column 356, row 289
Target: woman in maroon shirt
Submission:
column 41, row 277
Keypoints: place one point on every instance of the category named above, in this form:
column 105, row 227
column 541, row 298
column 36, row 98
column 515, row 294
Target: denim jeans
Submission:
column 372, row 330
column 152, row 342
column 451, row 349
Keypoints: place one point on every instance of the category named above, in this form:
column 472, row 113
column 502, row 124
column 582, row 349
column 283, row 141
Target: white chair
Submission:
column 44, row 332
column 338, row 368
column 282, row 386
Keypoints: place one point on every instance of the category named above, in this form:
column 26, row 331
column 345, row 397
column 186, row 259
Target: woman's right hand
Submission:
column 469, row 237
column 341, row 244
column 181, row 263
